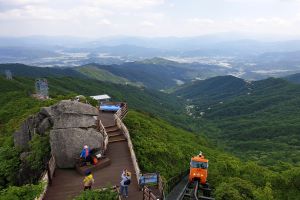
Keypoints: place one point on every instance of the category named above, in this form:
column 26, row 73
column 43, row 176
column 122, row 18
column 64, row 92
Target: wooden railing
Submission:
column 156, row 183
column 102, row 130
column 121, row 113
column 47, row 177
column 148, row 194
column 161, row 187
column 124, row 129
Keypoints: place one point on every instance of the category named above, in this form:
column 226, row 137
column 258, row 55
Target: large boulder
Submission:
column 68, row 106
column 71, row 120
column 73, row 124
column 66, row 144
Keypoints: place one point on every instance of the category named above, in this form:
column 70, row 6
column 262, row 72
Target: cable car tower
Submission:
column 8, row 75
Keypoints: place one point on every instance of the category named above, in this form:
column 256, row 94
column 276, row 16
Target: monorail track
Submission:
column 195, row 191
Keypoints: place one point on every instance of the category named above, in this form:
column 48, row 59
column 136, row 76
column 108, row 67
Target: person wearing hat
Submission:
column 86, row 154
column 88, row 180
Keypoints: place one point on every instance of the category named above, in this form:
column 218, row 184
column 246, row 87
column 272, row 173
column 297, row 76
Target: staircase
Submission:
column 114, row 134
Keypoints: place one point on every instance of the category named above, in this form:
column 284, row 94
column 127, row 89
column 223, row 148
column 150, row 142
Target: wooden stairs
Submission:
column 115, row 134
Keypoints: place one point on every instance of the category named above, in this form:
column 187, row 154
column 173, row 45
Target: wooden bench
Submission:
column 102, row 162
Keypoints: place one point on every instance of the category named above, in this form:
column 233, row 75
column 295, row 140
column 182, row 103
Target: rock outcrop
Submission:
column 66, row 144
column 72, row 125
column 37, row 124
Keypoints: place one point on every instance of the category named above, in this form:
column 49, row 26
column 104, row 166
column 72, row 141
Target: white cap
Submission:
column 85, row 146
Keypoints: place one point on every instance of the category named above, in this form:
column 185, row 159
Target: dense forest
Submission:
column 257, row 121
column 160, row 147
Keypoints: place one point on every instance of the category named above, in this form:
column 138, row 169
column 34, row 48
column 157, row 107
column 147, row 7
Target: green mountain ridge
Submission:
column 260, row 128
column 38, row 72
column 159, row 146
column 294, row 78
column 259, row 122
column 103, row 75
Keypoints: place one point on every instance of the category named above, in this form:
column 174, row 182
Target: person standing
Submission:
column 88, row 180
column 125, row 182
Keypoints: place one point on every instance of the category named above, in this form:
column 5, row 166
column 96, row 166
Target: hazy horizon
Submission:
column 254, row 19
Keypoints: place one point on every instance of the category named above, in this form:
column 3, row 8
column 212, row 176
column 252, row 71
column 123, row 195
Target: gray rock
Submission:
column 47, row 111
column 68, row 106
column 66, row 144
column 72, row 120
column 43, row 126
column 40, row 116
column 74, row 125
column 24, row 134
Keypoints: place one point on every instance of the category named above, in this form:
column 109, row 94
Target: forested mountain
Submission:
column 213, row 90
column 102, row 75
column 150, row 134
column 151, row 75
column 38, row 72
column 294, row 78
column 154, row 73
column 159, row 146
column 260, row 119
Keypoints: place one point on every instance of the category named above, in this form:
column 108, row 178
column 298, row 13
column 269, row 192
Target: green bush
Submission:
column 235, row 189
column 9, row 165
column 25, row 192
column 40, row 152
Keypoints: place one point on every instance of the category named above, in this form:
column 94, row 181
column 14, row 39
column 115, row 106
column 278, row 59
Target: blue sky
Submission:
column 98, row 18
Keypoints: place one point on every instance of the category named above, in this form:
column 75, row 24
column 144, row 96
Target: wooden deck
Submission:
column 68, row 183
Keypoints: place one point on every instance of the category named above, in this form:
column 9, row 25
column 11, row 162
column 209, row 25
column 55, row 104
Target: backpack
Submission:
column 127, row 182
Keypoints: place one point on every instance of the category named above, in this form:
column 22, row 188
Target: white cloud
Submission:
column 148, row 24
column 201, row 21
column 148, row 17
column 125, row 4
column 104, row 22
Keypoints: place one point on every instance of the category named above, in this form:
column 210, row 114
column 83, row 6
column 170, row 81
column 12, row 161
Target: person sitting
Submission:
column 85, row 155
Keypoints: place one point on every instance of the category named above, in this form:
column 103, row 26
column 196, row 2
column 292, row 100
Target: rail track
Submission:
column 196, row 191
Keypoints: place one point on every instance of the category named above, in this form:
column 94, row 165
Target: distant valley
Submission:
column 248, row 59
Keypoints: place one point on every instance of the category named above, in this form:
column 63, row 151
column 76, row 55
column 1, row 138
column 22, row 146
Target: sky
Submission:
column 150, row 18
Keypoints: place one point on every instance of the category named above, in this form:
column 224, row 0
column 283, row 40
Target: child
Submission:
column 88, row 180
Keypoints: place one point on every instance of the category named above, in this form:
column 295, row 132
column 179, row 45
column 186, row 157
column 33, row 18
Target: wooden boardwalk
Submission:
column 68, row 183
